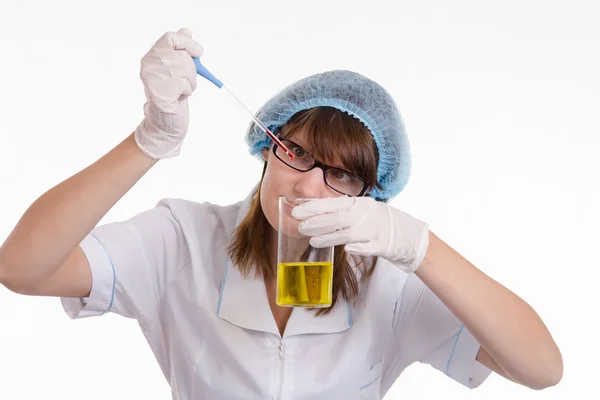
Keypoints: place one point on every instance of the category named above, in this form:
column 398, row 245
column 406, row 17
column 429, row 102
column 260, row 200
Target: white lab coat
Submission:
column 214, row 335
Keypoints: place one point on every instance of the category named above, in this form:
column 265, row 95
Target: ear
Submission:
column 265, row 154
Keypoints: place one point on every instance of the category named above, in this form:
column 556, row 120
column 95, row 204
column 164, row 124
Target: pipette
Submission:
column 202, row 71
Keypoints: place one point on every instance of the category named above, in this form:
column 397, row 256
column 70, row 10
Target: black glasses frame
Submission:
column 318, row 164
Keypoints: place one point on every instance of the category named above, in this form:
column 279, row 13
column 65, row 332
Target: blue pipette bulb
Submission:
column 202, row 71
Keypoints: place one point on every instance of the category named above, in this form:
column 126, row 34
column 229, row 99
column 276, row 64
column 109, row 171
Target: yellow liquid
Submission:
column 304, row 284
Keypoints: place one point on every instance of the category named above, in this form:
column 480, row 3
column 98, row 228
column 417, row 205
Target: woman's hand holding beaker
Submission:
column 366, row 227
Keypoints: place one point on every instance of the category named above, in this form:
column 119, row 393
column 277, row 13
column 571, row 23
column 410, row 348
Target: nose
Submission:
column 311, row 184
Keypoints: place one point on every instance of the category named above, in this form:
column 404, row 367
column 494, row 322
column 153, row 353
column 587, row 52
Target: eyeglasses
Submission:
column 340, row 180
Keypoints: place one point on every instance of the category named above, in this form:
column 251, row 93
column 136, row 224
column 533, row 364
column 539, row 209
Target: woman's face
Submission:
column 281, row 180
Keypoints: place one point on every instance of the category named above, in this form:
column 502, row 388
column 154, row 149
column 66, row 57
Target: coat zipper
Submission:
column 282, row 359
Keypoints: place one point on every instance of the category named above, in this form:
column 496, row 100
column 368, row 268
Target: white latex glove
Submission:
column 366, row 227
column 169, row 77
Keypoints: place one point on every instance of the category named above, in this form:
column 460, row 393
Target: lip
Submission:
column 288, row 209
column 286, row 206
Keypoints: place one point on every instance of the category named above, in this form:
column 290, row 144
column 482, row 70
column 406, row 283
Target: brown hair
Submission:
column 329, row 133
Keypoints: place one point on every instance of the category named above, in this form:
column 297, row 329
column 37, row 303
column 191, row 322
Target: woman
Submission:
column 200, row 279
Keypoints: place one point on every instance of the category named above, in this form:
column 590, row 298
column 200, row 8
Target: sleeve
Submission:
column 431, row 334
column 131, row 263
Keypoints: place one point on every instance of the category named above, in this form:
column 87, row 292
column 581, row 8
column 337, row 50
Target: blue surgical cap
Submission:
column 358, row 96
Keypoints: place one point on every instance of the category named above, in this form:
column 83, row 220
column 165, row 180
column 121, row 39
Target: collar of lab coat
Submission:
column 243, row 301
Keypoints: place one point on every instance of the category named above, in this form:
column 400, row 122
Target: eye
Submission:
column 297, row 150
column 342, row 175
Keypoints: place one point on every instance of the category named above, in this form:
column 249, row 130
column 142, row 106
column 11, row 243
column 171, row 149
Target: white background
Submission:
column 501, row 104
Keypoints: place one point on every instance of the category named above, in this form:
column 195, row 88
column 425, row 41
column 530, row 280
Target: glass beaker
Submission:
column 304, row 273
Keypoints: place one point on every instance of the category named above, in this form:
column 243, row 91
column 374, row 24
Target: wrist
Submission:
column 438, row 261
column 139, row 153
column 154, row 143
column 409, row 240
